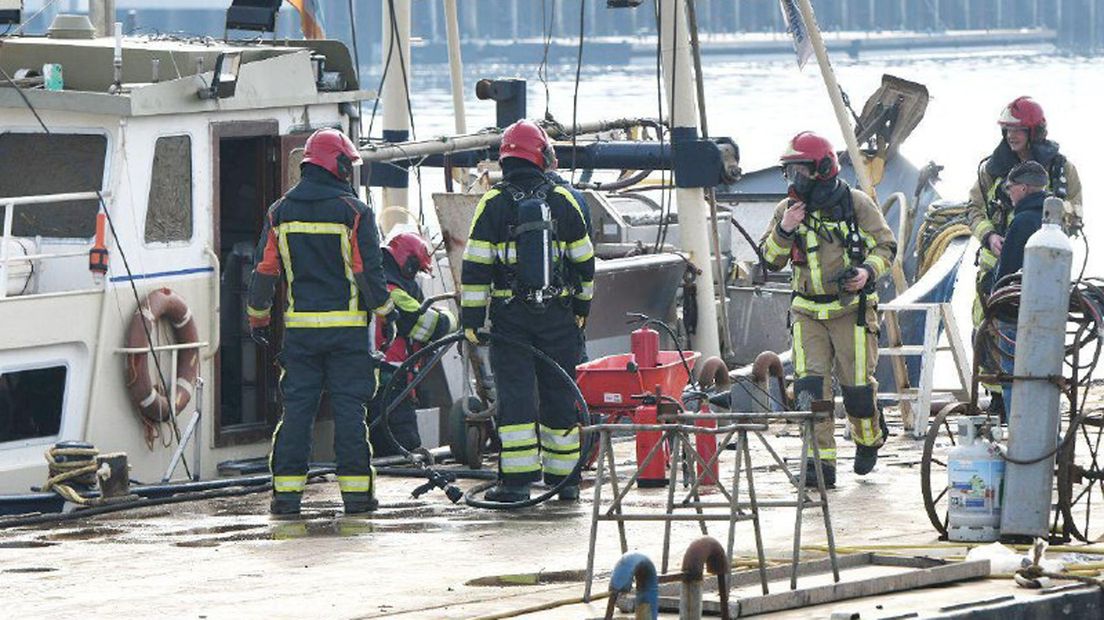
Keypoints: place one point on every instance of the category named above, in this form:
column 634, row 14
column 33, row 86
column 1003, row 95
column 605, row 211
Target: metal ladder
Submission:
column 915, row 402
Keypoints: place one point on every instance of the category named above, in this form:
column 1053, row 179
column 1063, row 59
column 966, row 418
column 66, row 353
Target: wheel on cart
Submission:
column 942, row 437
column 473, row 446
column 1080, row 478
column 458, row 428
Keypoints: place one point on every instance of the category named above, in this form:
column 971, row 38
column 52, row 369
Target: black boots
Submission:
column 829, row 469
column 360, row 505
column 866, row 456
column 569, row 493
column 284, row 504
column 865, row 459
column 508, row 493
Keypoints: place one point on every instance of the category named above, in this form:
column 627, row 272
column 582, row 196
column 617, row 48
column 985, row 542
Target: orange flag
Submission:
column 310, row 18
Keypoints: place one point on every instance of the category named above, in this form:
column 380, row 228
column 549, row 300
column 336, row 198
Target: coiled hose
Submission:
column 941, row 225
column 436, row 350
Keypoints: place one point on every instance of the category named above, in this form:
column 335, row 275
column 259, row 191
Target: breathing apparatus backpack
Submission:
column 537, row 274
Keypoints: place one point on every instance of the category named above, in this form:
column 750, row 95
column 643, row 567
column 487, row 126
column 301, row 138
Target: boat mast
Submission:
column 693, row 212
column 102, row 15
column 456, row 66
column 393, row 95
column 834, row 93
column 456, row 74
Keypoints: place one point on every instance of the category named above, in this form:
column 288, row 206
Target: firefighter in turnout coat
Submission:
column 530, row 260
column 323, row 243
column 837, row 244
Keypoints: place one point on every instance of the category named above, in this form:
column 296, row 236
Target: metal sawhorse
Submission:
column 683, row 466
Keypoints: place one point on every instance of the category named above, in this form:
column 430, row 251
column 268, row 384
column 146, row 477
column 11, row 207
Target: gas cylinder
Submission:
column 645, row 347
column 975, row 472
column 654, row 472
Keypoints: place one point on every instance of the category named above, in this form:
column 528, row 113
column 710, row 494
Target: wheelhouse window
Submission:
column 34, row 164
column 31, row 403
column 169, row 209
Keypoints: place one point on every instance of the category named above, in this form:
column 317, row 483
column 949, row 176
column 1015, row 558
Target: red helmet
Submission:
column 332, row 150
column 814, row 149
column 411, row 252
column 527, row 140
column 1026, row 113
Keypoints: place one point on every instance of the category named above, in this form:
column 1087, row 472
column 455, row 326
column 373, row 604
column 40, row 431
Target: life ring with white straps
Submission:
column 150, row 399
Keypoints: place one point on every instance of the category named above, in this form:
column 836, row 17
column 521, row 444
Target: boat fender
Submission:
column 150, row 400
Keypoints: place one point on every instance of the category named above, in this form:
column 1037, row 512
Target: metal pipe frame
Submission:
column 391, row 152
column 685, row 459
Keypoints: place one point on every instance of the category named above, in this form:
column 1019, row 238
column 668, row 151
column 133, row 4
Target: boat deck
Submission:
column 427, row 558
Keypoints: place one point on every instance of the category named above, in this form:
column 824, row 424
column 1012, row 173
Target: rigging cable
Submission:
column 126, row 267
column 575, row 97
column 548, row 25
column 356, row 58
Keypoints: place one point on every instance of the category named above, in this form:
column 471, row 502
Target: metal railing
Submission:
column 9, row 205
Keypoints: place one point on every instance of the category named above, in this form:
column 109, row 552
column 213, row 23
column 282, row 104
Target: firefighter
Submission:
column 838, row 245
column 530, row 260
column 323, row 242
column 1023, row 138
column 404, row 257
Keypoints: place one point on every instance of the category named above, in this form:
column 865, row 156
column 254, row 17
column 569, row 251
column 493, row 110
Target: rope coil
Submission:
column 69, row 466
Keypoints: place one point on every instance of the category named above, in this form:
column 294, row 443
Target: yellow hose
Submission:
column 939, row 245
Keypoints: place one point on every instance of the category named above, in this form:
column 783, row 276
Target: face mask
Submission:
column 803, row 187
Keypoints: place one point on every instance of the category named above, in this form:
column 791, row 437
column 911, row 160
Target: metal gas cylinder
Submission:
column 645, row 347
column 975, row 472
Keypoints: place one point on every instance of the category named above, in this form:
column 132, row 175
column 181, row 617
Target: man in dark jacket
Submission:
column 323, row 242
column 1026, row 187
column 501, row 263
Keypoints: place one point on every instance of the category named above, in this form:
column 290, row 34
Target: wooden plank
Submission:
column 819, row 595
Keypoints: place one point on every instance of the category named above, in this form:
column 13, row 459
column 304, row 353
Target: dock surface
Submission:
column 428, row 558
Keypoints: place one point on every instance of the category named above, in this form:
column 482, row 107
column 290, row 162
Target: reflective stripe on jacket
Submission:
column 324, row 243
column 826, row 256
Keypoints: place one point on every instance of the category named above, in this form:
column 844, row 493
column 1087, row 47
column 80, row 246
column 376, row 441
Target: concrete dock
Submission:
column 428, row 558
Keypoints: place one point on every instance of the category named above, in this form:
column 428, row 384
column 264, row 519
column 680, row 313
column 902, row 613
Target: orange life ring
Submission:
column 150, row 399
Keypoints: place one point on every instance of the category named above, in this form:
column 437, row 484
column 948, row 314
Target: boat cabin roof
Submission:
column 272, row 74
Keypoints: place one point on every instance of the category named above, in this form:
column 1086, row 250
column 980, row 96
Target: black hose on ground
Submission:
column 436, row 478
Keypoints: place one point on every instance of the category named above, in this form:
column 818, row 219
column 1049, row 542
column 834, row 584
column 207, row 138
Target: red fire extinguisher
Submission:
column 706, row 444
column 644, row 344
column 654, row 472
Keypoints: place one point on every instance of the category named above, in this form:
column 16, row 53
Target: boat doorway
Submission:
column 247, row 165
